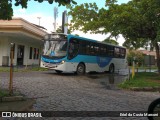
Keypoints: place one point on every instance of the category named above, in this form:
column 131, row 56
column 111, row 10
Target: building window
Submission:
column 110, row 50
column 37, row 54
column 30, row 53
column 73, row 48
column 122, row 52
column 117, row 52
column 34, row 56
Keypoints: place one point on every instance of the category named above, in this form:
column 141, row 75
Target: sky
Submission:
column 45, row 12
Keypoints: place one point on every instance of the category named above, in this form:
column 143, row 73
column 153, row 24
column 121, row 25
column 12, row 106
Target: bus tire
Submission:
column 152, row 107
column 80, row 69
column 111, row 68
column 58, row 71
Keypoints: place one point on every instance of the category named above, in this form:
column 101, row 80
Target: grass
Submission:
column 142, row 79
column 38, row 69
column 16, row 69
column 4, row 93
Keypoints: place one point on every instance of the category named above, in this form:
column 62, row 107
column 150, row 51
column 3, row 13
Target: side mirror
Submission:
column 154, row 110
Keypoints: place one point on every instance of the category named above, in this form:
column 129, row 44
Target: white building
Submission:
column 27, row 38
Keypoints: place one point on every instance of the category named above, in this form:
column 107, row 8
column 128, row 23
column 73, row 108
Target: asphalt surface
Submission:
column 69, row 92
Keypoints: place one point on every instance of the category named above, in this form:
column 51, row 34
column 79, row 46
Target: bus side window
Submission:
column 122, row 52
column 92, row 51
column 96, row 47
column 117, row 52
column 110, row 50
column 73, row 48
column 82, row 47
column 87, row 46
column 103, row 50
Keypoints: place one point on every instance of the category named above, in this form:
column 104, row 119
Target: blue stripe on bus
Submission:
column 101, row 61
column 51, row 60
column 83, row 58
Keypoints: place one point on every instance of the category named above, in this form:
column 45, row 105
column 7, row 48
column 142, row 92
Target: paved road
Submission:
column 68, row 92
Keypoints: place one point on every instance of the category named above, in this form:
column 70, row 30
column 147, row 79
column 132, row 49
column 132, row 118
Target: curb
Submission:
column 28, row 106
column 16, row 103
column 25, row 105
column 12, row 98
column 146, row 89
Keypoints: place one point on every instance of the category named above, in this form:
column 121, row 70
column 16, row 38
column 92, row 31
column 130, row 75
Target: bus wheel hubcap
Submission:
column 111, row 69
column 80, row 69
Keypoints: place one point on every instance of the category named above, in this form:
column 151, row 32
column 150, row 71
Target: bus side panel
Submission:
column 95, row 68
column 92, row 63
column 71, row 66
column 119, row 64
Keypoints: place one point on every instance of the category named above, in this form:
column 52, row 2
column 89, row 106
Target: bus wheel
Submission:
column 111, row 68
column 58, row 71
column 81, row 69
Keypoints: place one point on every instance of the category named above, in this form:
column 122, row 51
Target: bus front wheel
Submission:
column 111, row 68
column 80, row 69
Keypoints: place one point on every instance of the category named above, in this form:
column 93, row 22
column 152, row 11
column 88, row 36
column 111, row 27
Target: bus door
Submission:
column 73, row 48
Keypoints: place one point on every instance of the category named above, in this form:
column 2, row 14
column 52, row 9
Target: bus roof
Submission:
column 92, row 40
column 87, row 39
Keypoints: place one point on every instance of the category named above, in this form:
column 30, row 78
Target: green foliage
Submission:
column 138, row 21
column 59, row 30
column 6, row 11
column 111, row 41
column 37, row 69
column 138, row 55
column 4, row 93
column 28, row 69
column 84, row 17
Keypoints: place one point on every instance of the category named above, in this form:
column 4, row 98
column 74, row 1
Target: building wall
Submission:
column 27, row 60
column 5, row 50
column 149, row 60
column 20, row 32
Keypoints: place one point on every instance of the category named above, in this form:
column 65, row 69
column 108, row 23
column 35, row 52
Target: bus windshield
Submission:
column 55, row 48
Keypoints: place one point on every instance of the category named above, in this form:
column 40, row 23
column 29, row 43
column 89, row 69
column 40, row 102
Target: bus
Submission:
column 70, row 53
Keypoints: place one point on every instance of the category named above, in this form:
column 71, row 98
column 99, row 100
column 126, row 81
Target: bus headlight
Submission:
column 62, row 62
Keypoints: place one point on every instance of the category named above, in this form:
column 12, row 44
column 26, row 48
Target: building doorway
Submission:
column 20, row 54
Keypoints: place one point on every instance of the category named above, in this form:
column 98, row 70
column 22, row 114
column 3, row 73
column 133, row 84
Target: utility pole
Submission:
column 64, row 22
column 55, row 18
column 39, row 20
column 11, row 69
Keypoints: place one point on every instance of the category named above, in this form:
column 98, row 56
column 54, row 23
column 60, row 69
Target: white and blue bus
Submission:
column 71, row 53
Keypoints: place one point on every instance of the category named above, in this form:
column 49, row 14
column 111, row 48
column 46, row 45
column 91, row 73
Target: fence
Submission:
column 144, row 69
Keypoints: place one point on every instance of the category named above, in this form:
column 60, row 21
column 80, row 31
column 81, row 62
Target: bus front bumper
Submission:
column 58, row 66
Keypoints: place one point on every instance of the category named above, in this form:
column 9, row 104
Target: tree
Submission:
column 138, row 21
column 111, row 41
column 6, row 11
column 59, row 30
column 84, row 17
column 138, row 55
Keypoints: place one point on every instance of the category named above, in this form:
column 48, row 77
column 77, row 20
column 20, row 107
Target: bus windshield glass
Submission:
column 55, row 48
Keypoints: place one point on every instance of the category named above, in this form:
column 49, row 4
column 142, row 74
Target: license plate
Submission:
column 50, row 65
